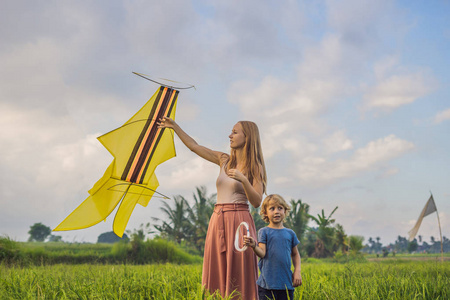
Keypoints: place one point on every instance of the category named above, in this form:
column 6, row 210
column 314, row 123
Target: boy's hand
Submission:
column 296, row 279
column 249, row 241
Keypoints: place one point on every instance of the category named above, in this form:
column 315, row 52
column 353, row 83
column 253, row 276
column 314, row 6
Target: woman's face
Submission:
column 237, row 137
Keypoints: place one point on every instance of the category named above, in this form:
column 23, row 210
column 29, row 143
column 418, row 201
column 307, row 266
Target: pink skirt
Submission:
column 224, row 268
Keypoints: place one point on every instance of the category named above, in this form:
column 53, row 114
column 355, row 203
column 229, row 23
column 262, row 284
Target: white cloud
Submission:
column 283, row 180
column 194, row 172
column 298, row 103
column 31, row 75
column 292, row 113
column 259, row 98
column 397, row 90
column 353, row 215
column 384, row 66
column 337, row 142
column 390, row 172
column 321, row 170
column 396, row 85
column 186, row 171
column 442, row 116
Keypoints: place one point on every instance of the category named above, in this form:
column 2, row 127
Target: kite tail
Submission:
column 93, row 210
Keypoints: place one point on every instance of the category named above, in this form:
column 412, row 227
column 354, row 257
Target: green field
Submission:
column 390, row 279
column 158, row 269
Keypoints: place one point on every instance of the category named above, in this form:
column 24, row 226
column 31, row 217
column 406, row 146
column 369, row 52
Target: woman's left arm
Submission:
column 253, row 192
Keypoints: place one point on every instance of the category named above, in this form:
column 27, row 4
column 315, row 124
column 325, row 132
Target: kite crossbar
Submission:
column 113, row 188
column 169, row 86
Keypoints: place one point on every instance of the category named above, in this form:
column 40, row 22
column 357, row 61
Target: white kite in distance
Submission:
column 429, row 208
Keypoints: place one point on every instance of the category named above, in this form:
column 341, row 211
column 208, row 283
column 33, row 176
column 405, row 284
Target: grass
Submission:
column 378, row 280
column 446, row 254
column 140, row 270
column 69, row 248
column 370, row 280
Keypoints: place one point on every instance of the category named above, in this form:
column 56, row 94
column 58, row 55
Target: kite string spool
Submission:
column 236, row 239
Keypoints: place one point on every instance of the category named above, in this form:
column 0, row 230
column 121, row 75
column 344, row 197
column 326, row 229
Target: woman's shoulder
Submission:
column 224, row 155
column 223, row 158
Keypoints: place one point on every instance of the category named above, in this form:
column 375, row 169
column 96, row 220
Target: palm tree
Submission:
column 178, row 226
column 309, row 245
column 199, row 215
column 412, row 246
column 401, row 244
column 298, row 218
column 355, row 243
column 378, row 243
column 341, row 239
column 325, row 235
column 321, row 220
column 372, row 244
column 141, row 233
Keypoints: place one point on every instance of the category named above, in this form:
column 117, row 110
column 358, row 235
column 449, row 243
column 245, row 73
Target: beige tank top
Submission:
column 229, row 190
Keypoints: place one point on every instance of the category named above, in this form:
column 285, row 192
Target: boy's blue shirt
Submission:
column 275, row 267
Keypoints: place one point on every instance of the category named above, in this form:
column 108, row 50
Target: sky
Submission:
column 351, row 98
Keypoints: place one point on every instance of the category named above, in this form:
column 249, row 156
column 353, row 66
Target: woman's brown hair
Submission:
column 254, row 167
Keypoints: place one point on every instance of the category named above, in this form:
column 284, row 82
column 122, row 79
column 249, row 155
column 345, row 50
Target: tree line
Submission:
column 403, row 245
column 187, row 224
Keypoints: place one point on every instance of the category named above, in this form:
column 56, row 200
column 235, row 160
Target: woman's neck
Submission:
column 240, row 159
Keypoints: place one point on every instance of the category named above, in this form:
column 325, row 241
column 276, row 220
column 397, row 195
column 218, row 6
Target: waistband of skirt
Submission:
column 231, row 206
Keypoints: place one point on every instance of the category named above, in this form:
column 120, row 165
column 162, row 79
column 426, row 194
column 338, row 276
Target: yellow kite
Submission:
column 138, row 147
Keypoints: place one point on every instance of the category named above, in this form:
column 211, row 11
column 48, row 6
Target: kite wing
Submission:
column 138, row 147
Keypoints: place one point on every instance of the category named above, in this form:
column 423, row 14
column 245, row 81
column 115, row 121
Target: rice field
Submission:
column 391, row 279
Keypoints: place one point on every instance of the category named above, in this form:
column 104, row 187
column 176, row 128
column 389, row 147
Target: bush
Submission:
column 348, row 257
column 158, row 251
column 9, row 250
column 136, row 252
column 120, row 250
column 340, row 257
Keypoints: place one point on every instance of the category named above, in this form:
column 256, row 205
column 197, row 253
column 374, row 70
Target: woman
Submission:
column 242, row 179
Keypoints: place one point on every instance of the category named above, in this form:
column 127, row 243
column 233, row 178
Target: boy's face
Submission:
column 275, row 212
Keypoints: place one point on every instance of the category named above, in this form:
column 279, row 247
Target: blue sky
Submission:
column 351, row 97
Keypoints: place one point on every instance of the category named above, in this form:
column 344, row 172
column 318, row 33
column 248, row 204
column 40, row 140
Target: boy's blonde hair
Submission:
column 278, row 200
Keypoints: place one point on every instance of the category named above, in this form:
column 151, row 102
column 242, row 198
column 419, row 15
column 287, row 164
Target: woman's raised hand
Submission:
column 166, row 122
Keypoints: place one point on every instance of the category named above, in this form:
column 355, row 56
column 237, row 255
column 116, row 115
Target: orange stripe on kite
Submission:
column 149, row 152
column 141, row 146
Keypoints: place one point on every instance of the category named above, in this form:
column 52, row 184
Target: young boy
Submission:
column 277, row 245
